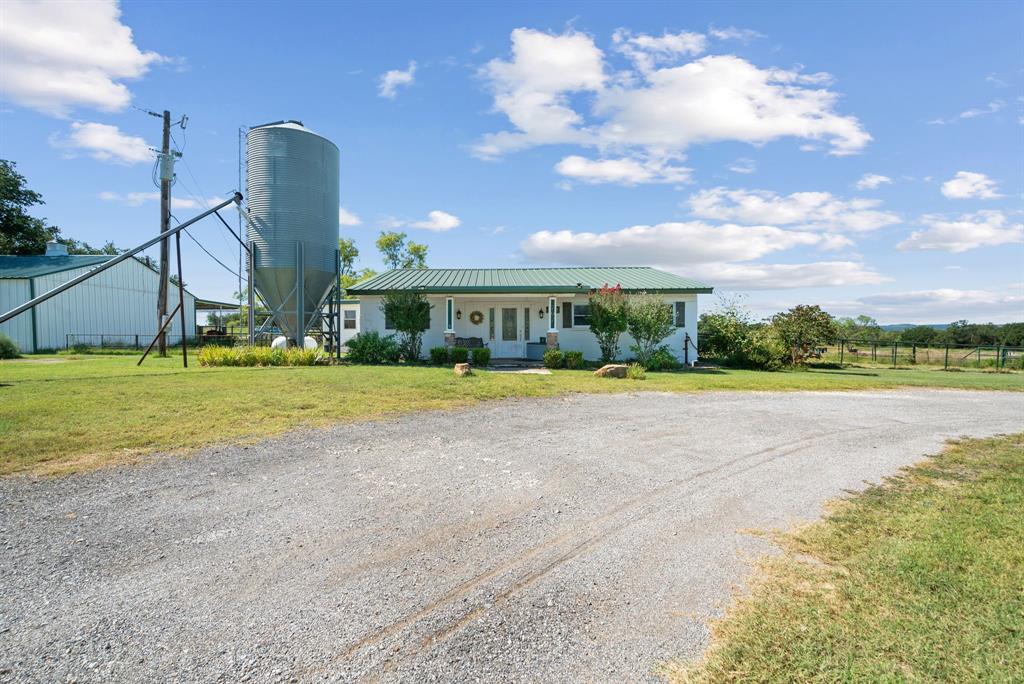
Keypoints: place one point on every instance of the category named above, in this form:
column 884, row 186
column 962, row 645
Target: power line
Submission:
column 202, row 247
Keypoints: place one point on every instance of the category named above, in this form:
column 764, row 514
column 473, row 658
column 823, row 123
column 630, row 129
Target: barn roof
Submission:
column 40, row 265
column 537, row 280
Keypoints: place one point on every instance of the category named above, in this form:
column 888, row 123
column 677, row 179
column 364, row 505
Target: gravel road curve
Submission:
column 583, row 538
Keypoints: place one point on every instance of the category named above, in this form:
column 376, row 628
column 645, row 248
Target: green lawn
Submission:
column 919, row 579
column 64, row 413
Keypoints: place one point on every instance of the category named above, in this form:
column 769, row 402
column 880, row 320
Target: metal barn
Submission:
column 115, row 308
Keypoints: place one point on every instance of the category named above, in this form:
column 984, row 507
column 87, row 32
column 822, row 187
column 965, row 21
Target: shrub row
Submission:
column 260, row 356
column 441, row 356
column 556, row 358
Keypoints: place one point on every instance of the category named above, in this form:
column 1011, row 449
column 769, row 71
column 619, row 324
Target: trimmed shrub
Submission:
column 439, row 356
column 481, row 356
column 459, row 355
column 260, row 356
column 662, row 359
column 635, row 371
column 554, row 358
column 373, row 348
column 573, row 359
column 8, row 349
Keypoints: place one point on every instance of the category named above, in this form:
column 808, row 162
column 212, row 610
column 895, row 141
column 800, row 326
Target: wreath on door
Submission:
column 476, row 318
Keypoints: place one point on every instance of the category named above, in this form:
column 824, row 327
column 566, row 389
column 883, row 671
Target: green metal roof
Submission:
column 526, row 280
column 35, row 266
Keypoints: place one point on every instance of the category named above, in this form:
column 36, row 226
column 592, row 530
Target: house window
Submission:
column 551, row 315
column 449, row 314
column 350, row 319
column 680, row 314
column 580, row 315
column 526, row 324
column 490, row 323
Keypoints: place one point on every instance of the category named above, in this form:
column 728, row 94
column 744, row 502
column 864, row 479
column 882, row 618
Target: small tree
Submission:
column 724, row 332
column 409, row 313
column 803, row 327
column 608, row 319
column 649, row 321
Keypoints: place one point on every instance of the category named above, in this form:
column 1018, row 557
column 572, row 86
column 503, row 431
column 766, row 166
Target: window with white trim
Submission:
column 581, row 315
column 350, row 319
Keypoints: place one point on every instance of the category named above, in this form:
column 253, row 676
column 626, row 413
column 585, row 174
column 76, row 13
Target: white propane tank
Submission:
column 281, row 342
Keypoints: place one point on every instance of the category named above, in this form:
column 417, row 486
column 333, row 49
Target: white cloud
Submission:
column 105, row 142
column 733, row 33
column 870, row 181
column 347, row 218
column 966, row 184
column 61, row 55
column 667, row 244
column 743, row 165
column 391, row 81
column 719, row 255
column 973, row 113
column 658, row 109
column 137, row 199
column 818, row 209
column 787, row 276
column 970, row 231
column 623, row 171
column 437, row 221
column 648, row 51
column 937, row 306
column 533, row 89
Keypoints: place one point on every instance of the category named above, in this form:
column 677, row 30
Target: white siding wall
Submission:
column 372, row 318
column 12, row 293
column 118, row 302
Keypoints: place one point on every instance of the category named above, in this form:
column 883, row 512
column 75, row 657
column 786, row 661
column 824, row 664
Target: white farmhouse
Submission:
column 519, row 312
column 116, row 307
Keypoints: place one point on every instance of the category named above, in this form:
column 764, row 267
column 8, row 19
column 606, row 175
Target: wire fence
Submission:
column 946, row 356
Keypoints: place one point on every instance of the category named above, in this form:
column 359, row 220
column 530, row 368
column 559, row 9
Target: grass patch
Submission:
column 57, row 412
column 918, row 579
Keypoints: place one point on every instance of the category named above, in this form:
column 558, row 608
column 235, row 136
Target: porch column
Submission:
column 552, row 338
column 449, row 321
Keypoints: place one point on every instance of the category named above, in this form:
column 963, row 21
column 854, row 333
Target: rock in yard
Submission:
column 611, row 370
column 462, row 369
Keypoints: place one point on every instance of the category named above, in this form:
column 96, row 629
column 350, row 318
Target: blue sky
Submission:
column 865, row 156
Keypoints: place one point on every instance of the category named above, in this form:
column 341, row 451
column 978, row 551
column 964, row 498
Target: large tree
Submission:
column 20, row 233
column 397, row 253
column 24, row 235
column 804, row 327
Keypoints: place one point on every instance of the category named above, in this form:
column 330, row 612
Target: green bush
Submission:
column 635, row 371
column 439, row 356
column 573, row 359
column 481, row 356
column 662, row 359
column 554, row 358
column 373, row 348
column 8, row 349
column 260, row 356
column 459, row 355
column 649, row 321
column 765, row 349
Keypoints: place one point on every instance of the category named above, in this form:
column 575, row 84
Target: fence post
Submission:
column 136, row 341
column 999, row 357
column 945, row 365
column 894, row 346
column 842, row 348
column 67, row 340
column 874, row 351
column 913, row 352
column 979, row 357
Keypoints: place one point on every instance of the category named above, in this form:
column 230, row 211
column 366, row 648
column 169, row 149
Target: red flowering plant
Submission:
column 608, row 319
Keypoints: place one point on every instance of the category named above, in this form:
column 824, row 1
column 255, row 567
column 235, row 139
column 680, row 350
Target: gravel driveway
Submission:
column 583, row 538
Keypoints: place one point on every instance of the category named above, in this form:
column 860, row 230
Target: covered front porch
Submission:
column 512, row 326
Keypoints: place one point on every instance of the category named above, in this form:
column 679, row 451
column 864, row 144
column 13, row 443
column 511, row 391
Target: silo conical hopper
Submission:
column 293, row 197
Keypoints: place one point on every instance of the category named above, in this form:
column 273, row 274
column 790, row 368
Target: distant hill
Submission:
column 900, row 327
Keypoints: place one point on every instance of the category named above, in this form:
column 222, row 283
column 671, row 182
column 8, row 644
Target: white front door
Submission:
column 509, row 343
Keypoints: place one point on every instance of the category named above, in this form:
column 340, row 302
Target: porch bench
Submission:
column 469, row 342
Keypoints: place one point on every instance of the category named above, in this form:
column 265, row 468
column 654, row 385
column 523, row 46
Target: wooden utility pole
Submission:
column 165, row 224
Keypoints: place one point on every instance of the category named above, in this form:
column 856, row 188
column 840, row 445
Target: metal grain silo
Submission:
column 293, row 192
